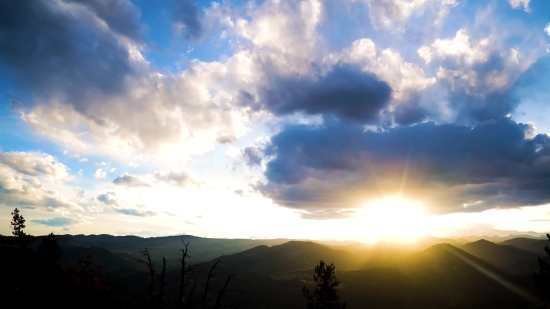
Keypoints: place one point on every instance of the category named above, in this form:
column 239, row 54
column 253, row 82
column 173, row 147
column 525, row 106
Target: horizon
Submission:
column 344, row 121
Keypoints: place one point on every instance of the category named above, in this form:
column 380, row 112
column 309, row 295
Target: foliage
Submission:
column 325, row 295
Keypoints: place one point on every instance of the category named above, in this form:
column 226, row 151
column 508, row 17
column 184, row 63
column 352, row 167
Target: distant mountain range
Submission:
column 424, row 272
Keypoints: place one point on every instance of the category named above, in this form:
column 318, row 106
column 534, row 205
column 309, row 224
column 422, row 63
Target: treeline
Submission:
column 34, row 278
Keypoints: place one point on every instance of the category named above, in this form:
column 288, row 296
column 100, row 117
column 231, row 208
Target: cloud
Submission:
column 458, row 48
column 547, row 29
column 187, row 19
column 99, row 174
column 405, row 78
column 393, row 15
column 516, row 4
column 172, row 178
column 109, row 198
column 93, row 89
column 344, row 91
column 73, row 41
column 28, row 192
column 252, row 156
column 130, row 181
column 451, row 168
column 58, row 221
column 136, row 212
column 121, row 16
column 34, row 164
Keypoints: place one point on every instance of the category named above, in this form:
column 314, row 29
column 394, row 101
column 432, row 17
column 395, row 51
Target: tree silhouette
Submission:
column 48, row 252
column 17, row 224
column 325, row 295
column 542, row 279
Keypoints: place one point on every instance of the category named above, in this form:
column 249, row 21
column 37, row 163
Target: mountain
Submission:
column 201, row 249
column 290, row 256
column 535, row 246
column 505, row 257
column 445, row 276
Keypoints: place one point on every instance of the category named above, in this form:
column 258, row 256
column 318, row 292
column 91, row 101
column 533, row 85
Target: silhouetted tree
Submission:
column 17, row 224
column 151, row 267
column 542, row 279
column 325, row 295
column 48, row 252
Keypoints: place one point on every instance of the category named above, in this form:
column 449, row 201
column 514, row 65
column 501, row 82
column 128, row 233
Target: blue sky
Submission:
column 232, row 118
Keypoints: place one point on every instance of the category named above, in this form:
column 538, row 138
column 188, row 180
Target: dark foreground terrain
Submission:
column 271, row 273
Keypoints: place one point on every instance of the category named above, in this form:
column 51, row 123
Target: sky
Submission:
column 314, row 119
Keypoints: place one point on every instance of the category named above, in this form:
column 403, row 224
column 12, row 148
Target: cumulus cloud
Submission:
column 344, row 91
column 109, row 198
column 19, row 190
column 405, row 78
column 460, row 48
column 34, row 164
column 56, row 222
column 547, row 29
column 100, row 174
column 96, row 46
column 451, row 168
column 186, row 19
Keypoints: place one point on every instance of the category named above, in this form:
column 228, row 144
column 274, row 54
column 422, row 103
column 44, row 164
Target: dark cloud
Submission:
column 252, row 155
column 60, row 49
column 345, row 92
column 59, row 221
column 409, row 113
column 127, row 180
column 136, row 212
column 186, row 15
column 451, row 168
column 109, row 198
column 122, row 16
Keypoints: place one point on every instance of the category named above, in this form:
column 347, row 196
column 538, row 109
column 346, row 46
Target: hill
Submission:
column 506, row 257
column 535, row 246
column 290, row 256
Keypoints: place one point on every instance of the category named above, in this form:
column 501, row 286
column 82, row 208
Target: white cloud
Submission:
column 112, row 170
column 81, row 172
column 547, row 29
column 458, row 48
column 29, row 192
column 516, row 4
column 393, row 14
column 99, row 174
column 404, row 77
column 34, row 164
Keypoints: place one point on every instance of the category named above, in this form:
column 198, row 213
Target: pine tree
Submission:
column 325, row 295
column 48, row 251
column 17, row 224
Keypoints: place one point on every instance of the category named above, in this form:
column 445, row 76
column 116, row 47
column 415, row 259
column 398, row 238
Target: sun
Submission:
column 394, row 217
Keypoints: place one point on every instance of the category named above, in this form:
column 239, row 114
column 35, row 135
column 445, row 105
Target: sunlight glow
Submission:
column 394, row 217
